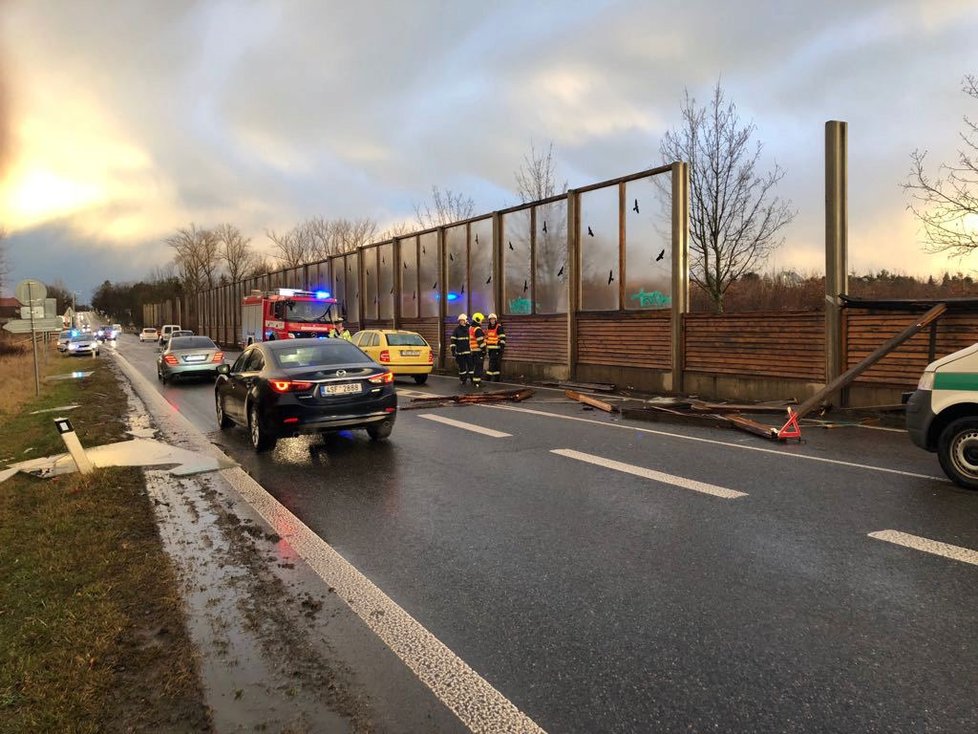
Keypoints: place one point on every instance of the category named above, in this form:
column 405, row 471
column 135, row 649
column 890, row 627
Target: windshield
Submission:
column 334, row 351
column 191, row 342
column 406, row 340
column 308, row 312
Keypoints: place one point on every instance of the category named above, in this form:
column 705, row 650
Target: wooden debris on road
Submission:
column 593, row 402
column 496, row 396
column 594, row 386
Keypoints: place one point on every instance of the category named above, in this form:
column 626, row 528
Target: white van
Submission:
column 942, row 414
column 166, row 332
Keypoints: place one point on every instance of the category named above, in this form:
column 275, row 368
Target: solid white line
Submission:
column 470, row 697
column 954, row 552
column 465, row 426
column 656, row 476
column 714, row 442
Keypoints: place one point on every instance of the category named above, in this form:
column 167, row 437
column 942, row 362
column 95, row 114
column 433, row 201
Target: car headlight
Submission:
column 926, row 381
column 72, row 346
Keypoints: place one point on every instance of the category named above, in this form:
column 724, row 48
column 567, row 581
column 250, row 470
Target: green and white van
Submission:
column 942, row 414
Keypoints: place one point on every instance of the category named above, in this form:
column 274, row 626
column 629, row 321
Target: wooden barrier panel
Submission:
column 536, row 338
column 788, row 344
column 865, row 331
column 428, row 328
column 625, row 339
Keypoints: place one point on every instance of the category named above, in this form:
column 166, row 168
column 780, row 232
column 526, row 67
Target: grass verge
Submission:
column 92, row 634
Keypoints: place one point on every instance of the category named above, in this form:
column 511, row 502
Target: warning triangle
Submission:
column 790, row 429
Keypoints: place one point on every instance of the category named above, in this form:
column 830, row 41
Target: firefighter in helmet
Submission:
column 495, row 344
column 477, row 349
column 460, row 347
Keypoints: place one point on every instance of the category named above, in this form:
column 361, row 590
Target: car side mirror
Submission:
column 223, row 369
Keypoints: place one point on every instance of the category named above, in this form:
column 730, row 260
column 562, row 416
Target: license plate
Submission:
column 196, row 358
column 342, row 389
column 410, row 352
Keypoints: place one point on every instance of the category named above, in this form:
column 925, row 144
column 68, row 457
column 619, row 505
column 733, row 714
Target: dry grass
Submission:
column 92, row 636
column 16, row 379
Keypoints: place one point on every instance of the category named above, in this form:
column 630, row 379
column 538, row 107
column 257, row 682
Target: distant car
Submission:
column 84, row 343
column 404, row 352
column 149, row 334
column 166, row 332
column 182, row 332
column 63, row 338
column 188, row 356
column 114, row 331
column 286, row 388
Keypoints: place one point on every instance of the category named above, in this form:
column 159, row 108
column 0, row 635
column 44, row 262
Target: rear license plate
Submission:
column 342, row 389
column 196, row 358
column 410, row 352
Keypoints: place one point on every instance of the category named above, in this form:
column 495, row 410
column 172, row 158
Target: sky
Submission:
column 122, row 120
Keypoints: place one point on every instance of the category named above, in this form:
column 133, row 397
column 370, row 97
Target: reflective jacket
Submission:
column 460, row 340
column 477, row 339
column 495, row 336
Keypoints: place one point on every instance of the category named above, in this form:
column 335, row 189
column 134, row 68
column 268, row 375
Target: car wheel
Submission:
column 380, row 431
column 261, row 439
column 421, row 379
column 159, row 374
column 223, row 421
column 163, row 377
column 957, row 450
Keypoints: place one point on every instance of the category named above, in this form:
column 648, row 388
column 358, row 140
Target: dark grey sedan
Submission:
column 189, row 356
column 287, row 388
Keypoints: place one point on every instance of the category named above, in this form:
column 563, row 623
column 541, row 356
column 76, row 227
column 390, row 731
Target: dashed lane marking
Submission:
column 714, row 442
column 656, row 476
column 926, row 545
column 465, row 426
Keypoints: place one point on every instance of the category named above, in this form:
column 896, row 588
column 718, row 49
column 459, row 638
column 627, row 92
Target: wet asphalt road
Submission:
column 597, row 600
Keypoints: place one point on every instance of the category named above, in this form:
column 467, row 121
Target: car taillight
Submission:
column 385, row 356
column 171, row 359
column 289, row 385
column 218, row 357
column 431, row 357
column 383, row 379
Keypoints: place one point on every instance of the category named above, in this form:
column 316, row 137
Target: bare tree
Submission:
column 536, row 178
column 234, row 251
column 197, row 257
column 261, row 265
column 398, row 229
column 293, row 247
column 947, row 204
column 4, row 263
column 735, row 218
column 328, row 237
column 353, row 234
column 446, row 207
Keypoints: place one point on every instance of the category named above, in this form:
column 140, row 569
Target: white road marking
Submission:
column 656, row 476
column 937, row 548
column 714, row 442
column 465, row 426
column 470, row 697
column 414, row 393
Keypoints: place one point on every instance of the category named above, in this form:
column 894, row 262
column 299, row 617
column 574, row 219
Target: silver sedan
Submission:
column 189, row 356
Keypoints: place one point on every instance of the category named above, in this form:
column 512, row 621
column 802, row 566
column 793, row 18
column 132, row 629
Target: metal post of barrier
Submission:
column 74, row 446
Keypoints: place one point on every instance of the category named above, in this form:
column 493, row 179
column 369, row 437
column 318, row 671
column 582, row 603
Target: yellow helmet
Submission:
column 478, row 317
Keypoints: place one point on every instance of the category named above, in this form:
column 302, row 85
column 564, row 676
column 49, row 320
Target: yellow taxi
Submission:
column 402, row 352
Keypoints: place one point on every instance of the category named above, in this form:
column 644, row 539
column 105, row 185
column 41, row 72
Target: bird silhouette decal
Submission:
column 423, row 250
column 544, row 225
column 414, row 295
column 661, row 255
column 611, row 276
column 368, row 272
column 525, row 286
column 635, row 208
column 590, row 233
column 561, row 271
column 434, row 285
column 511, row 245
column 463, row 289
column 405, row 266
column 477, row 238
column 451, row 257
column 383, row 261
column 392, row 291
column 488, row 280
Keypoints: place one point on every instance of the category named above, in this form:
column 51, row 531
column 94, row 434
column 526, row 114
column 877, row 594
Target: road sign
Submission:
column 30, row 289
column 23, row 326
column 38, row 312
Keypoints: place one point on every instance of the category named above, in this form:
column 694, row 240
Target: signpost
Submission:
column 33, row 292
column 23, row 326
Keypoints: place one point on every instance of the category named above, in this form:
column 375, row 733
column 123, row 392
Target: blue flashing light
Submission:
column 452, row 296
column 322, row 294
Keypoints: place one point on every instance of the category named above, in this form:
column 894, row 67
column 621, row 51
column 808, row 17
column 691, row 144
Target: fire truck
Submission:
column 287, row 313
